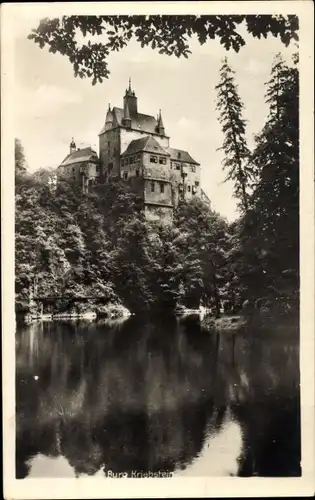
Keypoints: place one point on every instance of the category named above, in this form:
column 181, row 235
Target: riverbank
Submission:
column 265, row 322
column 86, row 311
column 223, row 324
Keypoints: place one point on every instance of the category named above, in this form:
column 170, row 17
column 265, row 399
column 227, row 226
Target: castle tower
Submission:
column 126, row 121
column 131, row 100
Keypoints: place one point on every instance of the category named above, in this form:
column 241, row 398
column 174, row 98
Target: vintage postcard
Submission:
column 158, row 249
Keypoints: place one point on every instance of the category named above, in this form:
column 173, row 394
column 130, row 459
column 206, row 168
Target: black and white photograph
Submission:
column 157, row 246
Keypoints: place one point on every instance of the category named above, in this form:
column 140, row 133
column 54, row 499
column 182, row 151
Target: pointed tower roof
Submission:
column 129, row 91
column 109, row 114
column 160, row 121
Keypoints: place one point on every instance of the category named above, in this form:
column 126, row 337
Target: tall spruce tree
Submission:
column 234, row 146
column 275, row 199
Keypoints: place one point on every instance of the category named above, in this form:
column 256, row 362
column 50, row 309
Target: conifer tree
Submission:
column 234, row 146
column 275, row 198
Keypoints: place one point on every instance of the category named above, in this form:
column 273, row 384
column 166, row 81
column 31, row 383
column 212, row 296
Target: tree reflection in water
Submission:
column 156, row 395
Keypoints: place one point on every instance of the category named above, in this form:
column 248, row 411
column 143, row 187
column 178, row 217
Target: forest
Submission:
column 99, row 244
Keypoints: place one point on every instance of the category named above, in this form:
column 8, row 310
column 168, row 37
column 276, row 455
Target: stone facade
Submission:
column 134, row 147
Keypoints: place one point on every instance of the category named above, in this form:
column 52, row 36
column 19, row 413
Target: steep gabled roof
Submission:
column 147, row 144
column 180, row 155
column 84, row 154
column 145, row 123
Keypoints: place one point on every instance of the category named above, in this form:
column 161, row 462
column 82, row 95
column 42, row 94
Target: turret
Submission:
column 126, row 121
column 109, row 119
column 160, row 126
column 131, row 99
column 73, row 147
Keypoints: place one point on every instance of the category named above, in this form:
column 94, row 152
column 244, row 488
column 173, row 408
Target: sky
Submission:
column 52, row 106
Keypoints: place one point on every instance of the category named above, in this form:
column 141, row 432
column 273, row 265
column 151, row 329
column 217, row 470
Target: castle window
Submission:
column 137, row 157
column 131, row 159
column 110, row 167
column 194, row 189
column 153, row 159
column 137, row 173
column 177, row 165
column 162, row 187
column 196, row 183
column 192, row 168
column 73, row 169
column 188, row 189
column 162, row 161
column 152, row 187
column 126, row 176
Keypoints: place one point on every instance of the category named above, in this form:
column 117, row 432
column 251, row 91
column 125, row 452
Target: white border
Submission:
column 175, row 487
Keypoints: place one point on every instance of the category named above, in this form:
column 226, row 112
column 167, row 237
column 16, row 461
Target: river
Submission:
column 158, row 396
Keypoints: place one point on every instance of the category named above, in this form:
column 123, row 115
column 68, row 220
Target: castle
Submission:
column 135, row 147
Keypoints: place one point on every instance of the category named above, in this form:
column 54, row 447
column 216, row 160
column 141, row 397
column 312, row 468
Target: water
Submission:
column 155, row 396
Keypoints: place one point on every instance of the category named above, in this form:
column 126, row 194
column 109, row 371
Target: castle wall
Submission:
column 109, row 152
column 156, row 213
column 157, row 192
column 189, row 186
column 74, row 171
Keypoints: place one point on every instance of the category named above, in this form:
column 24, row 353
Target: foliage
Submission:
column 167, row 34
column 264, row 256
column 275, row 199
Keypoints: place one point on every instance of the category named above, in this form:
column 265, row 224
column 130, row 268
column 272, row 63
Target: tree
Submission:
column 276, row 194
column 264, row 257
column 201, row 241
column 167, row 34
column 236, row 159
column 20, row 160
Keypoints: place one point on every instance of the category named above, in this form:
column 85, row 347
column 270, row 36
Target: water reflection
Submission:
column 155, row 396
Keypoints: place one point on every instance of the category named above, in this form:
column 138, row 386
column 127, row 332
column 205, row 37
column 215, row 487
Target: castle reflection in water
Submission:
column 154, row 396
